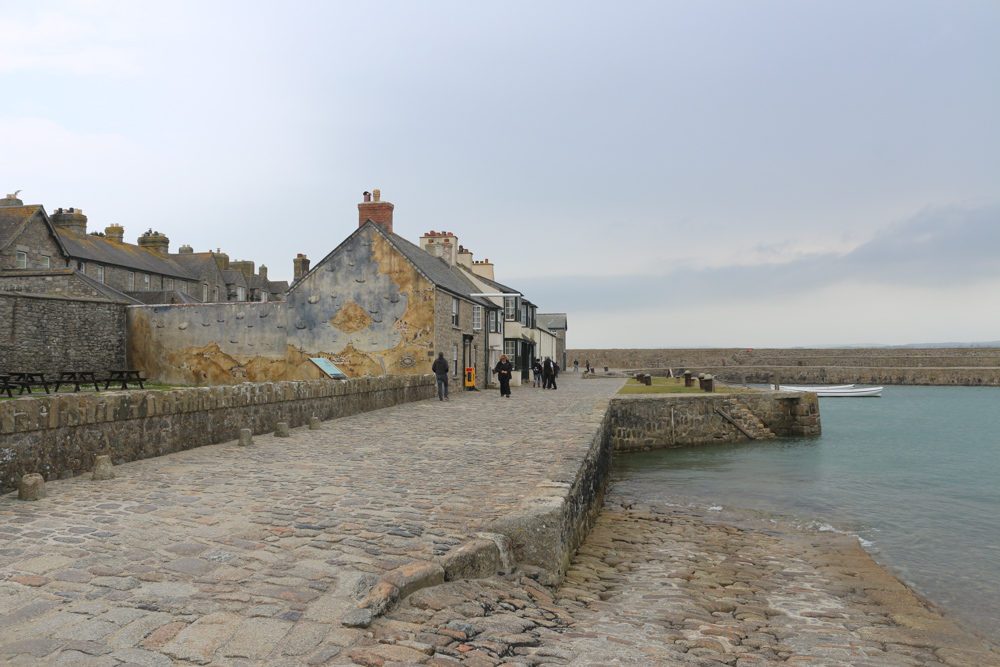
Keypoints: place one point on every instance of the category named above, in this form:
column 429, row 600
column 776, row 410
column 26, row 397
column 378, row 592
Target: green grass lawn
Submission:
column 672, row 386
column 38, row 391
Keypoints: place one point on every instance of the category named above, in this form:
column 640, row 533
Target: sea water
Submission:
column 914, row 474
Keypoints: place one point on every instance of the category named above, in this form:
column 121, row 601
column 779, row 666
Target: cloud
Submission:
column 940, row 247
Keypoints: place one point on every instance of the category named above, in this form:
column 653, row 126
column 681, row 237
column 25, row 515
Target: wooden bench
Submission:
column 76, row 378
column 124, row 377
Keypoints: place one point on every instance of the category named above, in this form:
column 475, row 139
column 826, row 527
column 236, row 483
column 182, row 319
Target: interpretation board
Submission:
column 327, row 367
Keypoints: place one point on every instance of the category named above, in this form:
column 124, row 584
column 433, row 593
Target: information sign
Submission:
column 327, row 367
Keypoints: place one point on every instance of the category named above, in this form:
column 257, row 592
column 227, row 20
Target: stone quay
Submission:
column 468, row 532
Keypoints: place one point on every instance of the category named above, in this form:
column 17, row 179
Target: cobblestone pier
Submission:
column 256, row 555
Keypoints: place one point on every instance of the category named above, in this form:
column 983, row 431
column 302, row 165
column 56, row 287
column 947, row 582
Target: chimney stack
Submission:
column 376, row 210
column 155, row 242
column 465, row 256
column 222, row 259
column 115, row 232
column 244, row 265
column 484, row 269
column 11, row 200
column 70, row 220
column 301, row 264
column 441, row 244
column 262, row 272
column 185, row 250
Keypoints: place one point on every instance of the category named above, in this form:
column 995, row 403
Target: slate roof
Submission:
column 437, row 270
column 552, row 320
column 234, row 277
column 14, row 218
column 258, row 282
column 101, row 250
column 195, row 263
column 277, row 286
column 105, row 290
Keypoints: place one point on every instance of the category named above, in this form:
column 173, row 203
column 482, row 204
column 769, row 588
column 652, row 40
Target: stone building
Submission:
column 556, row 323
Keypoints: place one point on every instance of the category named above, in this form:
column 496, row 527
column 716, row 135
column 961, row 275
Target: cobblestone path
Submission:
column 253, row 556
column 229, row 555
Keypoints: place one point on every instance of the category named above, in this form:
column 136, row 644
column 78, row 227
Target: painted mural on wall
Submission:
column 213, row 343
column 365, row 308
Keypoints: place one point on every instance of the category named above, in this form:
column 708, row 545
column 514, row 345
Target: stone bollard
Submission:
column 688, row 380
column 246, row 437
column 701, row 381
column 281, row 430
column 103, row 468
column 314, row 423
column 709, row 383
column 32, row 487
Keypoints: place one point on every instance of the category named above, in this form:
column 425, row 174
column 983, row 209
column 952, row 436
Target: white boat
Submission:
column 831, row 387
column 838, row 391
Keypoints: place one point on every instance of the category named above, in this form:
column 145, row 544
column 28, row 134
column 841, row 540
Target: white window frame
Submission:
column 263, row 296
column 454, row 360
column 100, row 273
column 524, row 314
column 477, row 318
column 204, row 292
column 22, row 260
column 454, row 312
column 241, row 294
column 216, row 294
column 81, row 267
column 46, row 262
column 131, row 281
column 493, row 321
column 510, row 308
column 510, row 349
column 170, row 283
column 145, row 281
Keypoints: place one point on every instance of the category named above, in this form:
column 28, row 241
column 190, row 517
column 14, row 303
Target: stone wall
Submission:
column 35, row 241
column 643, row 422
column 60, row 435
column 50, row 334
column 55, row 282
column 967, row 366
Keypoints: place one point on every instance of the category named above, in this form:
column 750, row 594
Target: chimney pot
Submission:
column 368, row 195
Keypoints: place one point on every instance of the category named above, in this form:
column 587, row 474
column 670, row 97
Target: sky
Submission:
column 669, row 174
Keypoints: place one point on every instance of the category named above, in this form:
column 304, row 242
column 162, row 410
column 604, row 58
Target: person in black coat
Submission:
column 440, row 368
column 503, row 370
column 549, row 373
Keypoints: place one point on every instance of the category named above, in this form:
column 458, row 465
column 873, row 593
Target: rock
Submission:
column 103, row 468
column 32, row 487
column 414, row 576
column 358, row 618
column 281, row 430
column 381, row 599
column 314, row 423
column 246, row 437
column 476, row 560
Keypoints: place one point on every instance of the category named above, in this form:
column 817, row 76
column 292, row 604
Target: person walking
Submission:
column 576, row 366
column 548, row 374
column 440, row 368
column 503, row 369
column 536, row 369
column 587, row 370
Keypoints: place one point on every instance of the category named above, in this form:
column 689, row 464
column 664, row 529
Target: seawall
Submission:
column 974, row 366
column 59, row 436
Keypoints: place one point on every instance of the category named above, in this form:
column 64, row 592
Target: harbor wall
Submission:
column 645, row 422
column 974, row 366
column 59, row 436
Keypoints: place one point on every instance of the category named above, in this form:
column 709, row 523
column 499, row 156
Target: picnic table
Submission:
column 5, row 384
column 76, row 378
column 25, row 380
column 125, row 376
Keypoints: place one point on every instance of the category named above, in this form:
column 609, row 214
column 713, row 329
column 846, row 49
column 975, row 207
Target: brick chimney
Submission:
column 441, row 244
column 11, row 200
column 185, row 250
column 262, row 272
column 244, row 265
column 376, row 210
column 301, row 264
column 484, row 269
column 115, row 232
column 155, row 242
column 70, row 220
column 464, row 256
column 222, row 259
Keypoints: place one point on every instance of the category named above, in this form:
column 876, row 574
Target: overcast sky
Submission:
column 670, row 174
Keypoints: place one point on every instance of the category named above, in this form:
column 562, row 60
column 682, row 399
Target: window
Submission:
column 454, row 312
column 454, row 360
column 493, row 321
column 170, row 283
column 131, row 281
column 510, row 308
column 22, row 260
column 81, row 267
column 241, row 294
column 145, row 281
column 263, row 296
column 524, row 315
column 510, row 349
column 100, row 273
column 204, row 292
column 477, row 318
column 216, row 294
column 45, row 261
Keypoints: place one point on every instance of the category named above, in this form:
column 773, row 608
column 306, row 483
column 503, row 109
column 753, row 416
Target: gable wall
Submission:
column 35, row 240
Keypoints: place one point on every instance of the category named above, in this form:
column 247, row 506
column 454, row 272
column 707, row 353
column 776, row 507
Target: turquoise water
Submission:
column 914, row 474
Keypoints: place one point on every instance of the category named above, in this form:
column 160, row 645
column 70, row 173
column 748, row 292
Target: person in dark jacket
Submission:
column 536, row 368
column 549, row 373
column 440, row 368
column 503, row 369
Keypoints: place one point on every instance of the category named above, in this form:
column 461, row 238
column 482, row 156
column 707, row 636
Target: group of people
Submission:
column 545, row 373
